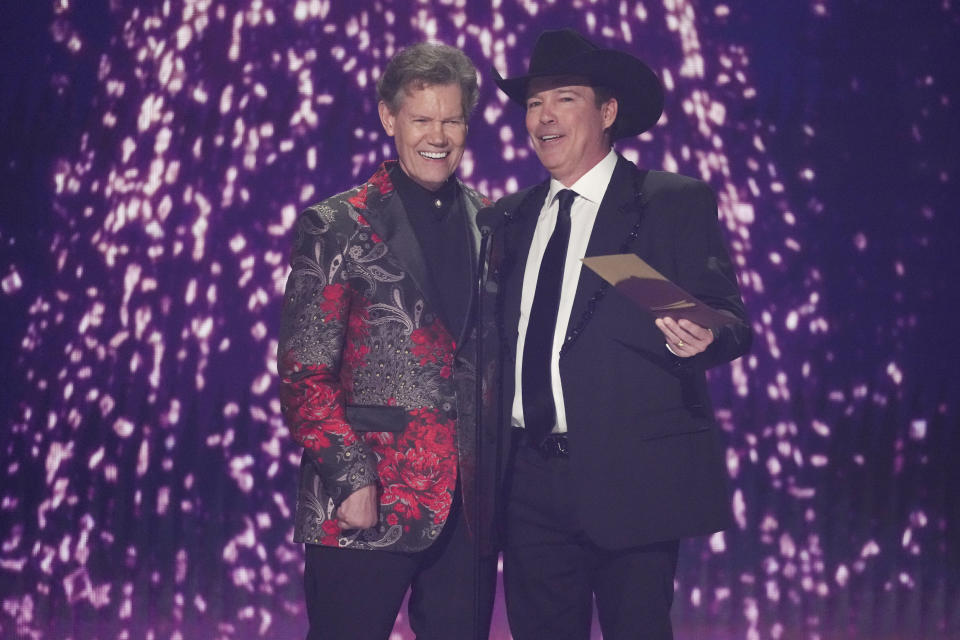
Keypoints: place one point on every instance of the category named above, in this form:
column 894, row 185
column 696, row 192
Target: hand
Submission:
column 684, row 338
column 360, row 509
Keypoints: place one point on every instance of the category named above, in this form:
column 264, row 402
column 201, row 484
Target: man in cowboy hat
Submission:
column 615, row 454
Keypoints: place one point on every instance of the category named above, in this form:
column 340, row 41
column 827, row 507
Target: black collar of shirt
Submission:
column 420, row 201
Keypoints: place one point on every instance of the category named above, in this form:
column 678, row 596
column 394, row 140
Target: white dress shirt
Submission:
column 590, row 189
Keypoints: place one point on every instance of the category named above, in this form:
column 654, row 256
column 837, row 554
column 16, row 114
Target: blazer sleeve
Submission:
column 704, row 269
column 313, row 344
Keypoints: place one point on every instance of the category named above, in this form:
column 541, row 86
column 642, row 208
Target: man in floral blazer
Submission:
column 377, row 374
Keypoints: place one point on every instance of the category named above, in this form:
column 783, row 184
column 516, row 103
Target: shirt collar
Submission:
column 591, row 185
column 421, row 200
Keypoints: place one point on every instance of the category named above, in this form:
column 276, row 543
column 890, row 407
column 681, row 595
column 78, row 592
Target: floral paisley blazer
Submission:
column 373, row 386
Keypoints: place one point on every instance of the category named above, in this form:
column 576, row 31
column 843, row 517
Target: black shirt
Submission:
column 439, row 221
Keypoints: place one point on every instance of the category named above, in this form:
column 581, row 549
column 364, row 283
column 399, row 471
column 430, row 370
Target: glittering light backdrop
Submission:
column 155, row 156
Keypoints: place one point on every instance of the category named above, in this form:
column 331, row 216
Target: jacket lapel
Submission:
column 523, row 213
column 616, row 218
column 388, row 218
column 472, row 243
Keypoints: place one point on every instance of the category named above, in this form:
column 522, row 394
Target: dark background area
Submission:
column 842, row 429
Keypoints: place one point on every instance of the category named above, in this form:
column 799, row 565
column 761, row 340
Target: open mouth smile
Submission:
column 434, row 155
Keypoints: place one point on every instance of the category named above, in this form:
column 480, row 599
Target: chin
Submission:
column 548, row 158
column 548, row 165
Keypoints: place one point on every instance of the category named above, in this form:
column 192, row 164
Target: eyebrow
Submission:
column 565, row 89
column 458, row 116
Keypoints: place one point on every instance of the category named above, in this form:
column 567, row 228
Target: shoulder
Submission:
column 678, row 195
column 474, row 196
column 666, row 183
column 336, row 211
column 532, row 196
column 347, row 208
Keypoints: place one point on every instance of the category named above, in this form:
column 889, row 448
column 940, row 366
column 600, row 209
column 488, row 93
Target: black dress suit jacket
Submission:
column 643, row 441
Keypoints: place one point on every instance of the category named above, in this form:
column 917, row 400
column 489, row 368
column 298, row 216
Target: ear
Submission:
column 387, row 119
column 608, row 111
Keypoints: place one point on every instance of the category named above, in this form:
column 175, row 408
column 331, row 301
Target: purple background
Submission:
column 154, row 155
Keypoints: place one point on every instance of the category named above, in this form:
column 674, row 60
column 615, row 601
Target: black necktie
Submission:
column 539, row 412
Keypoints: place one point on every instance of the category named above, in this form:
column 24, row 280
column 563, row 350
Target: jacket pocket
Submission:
column 371, row 417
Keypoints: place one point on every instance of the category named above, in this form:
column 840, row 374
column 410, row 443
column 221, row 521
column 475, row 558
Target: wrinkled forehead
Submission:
column 414, row 89
column 416, row 85
column 547, row 83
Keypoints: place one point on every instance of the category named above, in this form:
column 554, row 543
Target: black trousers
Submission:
column 553, row 572
column 356, row 594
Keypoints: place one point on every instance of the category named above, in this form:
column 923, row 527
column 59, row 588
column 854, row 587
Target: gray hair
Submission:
column 424, row 64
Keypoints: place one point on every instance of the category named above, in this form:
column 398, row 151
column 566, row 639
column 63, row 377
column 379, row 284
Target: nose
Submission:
column 546, row 113
column 436, row 135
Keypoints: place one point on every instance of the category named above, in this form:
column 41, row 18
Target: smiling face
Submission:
column 430, row 131
column 567, row 127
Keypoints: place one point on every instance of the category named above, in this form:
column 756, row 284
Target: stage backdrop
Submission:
column 155, row 155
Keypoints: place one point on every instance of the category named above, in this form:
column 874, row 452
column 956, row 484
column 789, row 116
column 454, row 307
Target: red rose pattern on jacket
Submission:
column 356, row 330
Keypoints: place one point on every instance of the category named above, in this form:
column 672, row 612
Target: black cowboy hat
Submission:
column 563, row 52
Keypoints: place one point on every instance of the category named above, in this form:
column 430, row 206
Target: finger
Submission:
column 679, row 339
column 669, row 323
column 694, row 330
column 694, row 341
column 677, row 331
column 684, row 330
column 665, row 328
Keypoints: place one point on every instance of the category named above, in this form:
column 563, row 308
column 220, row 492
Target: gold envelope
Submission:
column 649, row 289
